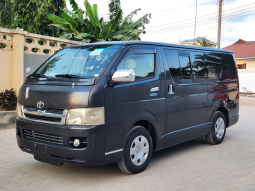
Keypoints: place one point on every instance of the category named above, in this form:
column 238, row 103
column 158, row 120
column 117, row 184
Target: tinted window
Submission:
column 85, row 62
column 221, row 67
column 199, row 70
column 185, row 67
column 142, row 64
column 173, row 64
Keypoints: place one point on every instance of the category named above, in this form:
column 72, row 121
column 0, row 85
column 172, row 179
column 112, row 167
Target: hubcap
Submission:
column 219, row 128
column 139, row 150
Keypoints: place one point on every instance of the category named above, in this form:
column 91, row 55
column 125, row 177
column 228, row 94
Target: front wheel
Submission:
column 137, row 151
column 218, row 129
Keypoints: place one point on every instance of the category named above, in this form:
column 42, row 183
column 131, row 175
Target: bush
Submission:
column 8, row 100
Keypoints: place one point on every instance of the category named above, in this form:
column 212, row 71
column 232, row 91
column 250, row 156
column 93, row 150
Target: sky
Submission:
column 172, row 21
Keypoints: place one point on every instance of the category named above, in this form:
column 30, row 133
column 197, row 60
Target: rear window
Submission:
column 88, row 62
column 221, row 67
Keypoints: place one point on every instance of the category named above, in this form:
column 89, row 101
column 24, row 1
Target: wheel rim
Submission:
column 139, row 150
column 219, row 128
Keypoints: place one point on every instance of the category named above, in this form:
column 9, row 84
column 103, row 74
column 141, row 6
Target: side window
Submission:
column 185, row 67
column 173, row 64
column 199, row 69
column 221, row 67
column 142, row 64
column 186, row 71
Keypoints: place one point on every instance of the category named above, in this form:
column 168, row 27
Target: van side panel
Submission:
column 131, row 103
column 224, row 95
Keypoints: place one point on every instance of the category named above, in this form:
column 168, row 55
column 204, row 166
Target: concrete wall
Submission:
column 247, row 79
column 32, row 62
column 6, row 70
column 23, row 51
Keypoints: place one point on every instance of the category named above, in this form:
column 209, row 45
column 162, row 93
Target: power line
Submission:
column 202, row 29
column 183, row 7
column 208, row 23
column 200, row 16
column 199, row 23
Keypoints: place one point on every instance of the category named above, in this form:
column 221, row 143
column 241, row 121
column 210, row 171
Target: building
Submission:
column 192, row 42
column 244, row 52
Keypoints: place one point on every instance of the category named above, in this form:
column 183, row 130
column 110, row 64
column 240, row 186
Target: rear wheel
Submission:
column 137, row 151
column 218, row 129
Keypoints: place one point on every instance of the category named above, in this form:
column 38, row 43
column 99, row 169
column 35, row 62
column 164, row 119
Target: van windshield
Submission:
column 82, row 62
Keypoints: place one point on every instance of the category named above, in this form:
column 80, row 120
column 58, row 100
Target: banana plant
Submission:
column 6, row 14
column 86, row 26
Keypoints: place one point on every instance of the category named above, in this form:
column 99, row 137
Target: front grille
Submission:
column 47, row 115
column 37, row 117
column 44, row 138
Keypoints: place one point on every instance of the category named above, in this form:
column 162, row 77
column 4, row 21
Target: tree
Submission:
column 204, row 42
column 6, row 14
column 89, row 28
column 31, row 15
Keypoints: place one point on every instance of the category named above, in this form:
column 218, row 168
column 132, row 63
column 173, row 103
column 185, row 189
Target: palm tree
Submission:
column 204, row 42
column 6, row 14
column 90, row 28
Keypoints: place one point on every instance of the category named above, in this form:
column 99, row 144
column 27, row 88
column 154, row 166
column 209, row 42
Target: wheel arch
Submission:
column 144, row 119
column 222, row 106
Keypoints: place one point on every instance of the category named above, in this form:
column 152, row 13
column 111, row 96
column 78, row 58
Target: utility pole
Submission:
column 219, row 23
column 195, row 43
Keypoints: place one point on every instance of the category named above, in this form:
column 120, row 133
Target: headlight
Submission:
column 86, row 116
column 19, row 110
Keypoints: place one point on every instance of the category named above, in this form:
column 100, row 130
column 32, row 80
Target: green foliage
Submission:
column 6, row 14
column 2, row 45
column 89, row 28
column 246, row 90
column 31, row 15
column 8, row 100
column 204, row 42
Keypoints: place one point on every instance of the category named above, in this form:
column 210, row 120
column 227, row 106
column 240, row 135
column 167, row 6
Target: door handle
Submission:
column 170, row 89
column 155, row 89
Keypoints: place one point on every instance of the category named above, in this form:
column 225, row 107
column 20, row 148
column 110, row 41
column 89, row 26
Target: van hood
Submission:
column 54, row 96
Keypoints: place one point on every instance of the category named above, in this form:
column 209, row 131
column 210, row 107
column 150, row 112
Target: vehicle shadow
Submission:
column 111, row 172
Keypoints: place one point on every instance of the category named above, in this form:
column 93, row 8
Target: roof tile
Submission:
column 242, row 49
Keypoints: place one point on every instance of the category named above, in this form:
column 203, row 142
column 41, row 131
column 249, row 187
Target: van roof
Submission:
column 152, row 43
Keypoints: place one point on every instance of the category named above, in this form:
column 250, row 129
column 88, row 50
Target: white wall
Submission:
column 247, row 79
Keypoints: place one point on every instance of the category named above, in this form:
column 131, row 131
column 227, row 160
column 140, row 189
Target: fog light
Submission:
column 18, row 132
column 76, row 142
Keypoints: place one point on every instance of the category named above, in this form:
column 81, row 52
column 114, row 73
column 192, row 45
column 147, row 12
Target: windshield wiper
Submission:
column 68, row 76
column 39, row 75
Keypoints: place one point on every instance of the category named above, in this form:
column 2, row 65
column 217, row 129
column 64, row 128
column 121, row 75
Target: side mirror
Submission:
column 123, row 76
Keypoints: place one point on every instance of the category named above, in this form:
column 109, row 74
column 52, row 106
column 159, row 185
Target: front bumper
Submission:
column 92, row 155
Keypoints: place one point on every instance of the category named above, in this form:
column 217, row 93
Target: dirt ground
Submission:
column 247, row 101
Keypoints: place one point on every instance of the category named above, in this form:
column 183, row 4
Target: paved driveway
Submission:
column 194, row 165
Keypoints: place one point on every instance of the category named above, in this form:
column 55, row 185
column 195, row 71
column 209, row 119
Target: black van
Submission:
column 101, row 103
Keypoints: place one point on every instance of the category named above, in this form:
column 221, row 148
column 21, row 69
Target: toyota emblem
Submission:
column 40, row 104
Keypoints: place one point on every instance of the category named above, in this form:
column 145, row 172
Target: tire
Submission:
column 218, row 129
column 137, row 151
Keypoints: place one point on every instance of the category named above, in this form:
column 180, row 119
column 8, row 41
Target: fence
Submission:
column 22, row 52
column 247, row 80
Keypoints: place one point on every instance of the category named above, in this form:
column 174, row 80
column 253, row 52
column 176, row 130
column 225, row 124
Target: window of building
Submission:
column 142, row 64
column 241, row 66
